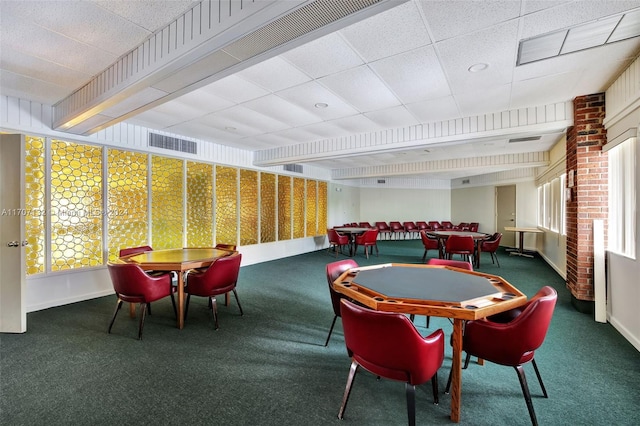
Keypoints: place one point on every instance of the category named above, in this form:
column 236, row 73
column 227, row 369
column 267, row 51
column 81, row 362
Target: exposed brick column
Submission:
column 589, row 196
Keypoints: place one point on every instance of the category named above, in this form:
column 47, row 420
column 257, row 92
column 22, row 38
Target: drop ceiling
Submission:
column 410, row 65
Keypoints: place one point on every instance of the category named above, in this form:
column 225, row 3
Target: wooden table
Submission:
column 178, row 260
column 443, row 235
column 433, row 291
column 352, row 231
column 521, row 231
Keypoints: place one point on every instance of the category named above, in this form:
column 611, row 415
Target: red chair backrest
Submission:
column 334, row 270
column 455, row 263
column 371, row 236
column 395, row 226
column 388, row 344
column 134, row 250
column 428, row 243
column 382, row 226
column 221, row 274
column 132, row 284
column 447, row 224
column 457, row 243
column 473, row 226
column 492, row 243
column 226, row 246
column 435, row 225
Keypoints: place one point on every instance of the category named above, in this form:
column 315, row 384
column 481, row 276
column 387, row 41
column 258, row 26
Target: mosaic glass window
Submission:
column 76, row 205
column 284, row 208
column 298, row 201
column 248, row 207
column 34, row 204
column 127, row 196
column 166, row 202
column 199, row 204
column 322, row 208
column 267, row 207
column 226, row 205
column 311, row 208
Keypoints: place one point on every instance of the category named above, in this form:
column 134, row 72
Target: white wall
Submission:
column 396, row 204
column 477, row 204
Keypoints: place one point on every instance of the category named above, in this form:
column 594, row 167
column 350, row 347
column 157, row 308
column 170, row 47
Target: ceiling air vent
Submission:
column 173, row 144
column 525, row 139
column 296, row 168
column 466, row 181
column 382, row 181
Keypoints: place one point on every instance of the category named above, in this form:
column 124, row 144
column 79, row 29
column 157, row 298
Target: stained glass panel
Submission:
column 322, row 208
column 199, row 204
column 298, row 200
column 267, row 207
column 166, row 202
column 76, row 205
column 284, row 208
column 311, row 208
column 34, row 204
column 127, row 199
column 226, row 205
column 248, row 207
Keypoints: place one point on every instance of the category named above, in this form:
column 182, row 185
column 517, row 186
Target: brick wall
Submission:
column 589, row 194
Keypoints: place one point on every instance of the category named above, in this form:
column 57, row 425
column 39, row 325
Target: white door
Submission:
column 506, row 213
column 13, row 313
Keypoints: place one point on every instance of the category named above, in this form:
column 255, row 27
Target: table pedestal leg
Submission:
column 456, row 370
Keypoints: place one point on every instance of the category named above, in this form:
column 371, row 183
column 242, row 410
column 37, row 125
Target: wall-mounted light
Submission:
column 338, row 189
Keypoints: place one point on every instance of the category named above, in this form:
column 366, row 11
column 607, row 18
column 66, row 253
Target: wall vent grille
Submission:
column 173, row 144
column 382, row 181
column 296, row 168
column 466, row 181
column 525, row 139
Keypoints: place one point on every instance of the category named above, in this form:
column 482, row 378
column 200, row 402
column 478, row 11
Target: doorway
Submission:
column 506, row 213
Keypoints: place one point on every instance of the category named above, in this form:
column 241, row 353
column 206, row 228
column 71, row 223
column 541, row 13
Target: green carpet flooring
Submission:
column 269, row 367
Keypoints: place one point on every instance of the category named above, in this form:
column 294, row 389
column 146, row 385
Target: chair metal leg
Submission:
column 235, row 293
column 410, row 390
column 527, row 395
column 335, row 317
column 466, row 364
column 186, row 306
column 496, row 256
column 143, row 314
column 535, row 367
column 347, row 390
column 173, row 302
column 118, row 306
column 434, row 387
column 214, row 311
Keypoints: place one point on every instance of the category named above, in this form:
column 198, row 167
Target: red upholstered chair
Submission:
column 491, row 246
column 369, row 240
column 460, row 244
column 133, row 285
column 336, row 241
column 423, row 226
column 219, row 278
column 383, row 229
column 334, row 270
column 454, row 263
column 365, row 225
column 514, row 343
column 446, row 224
column 473, row 226
column 231, row 247
column 134, row 250
column 435, row 225
column 462, row 226
column 388, row 345
column 410, row 228
column 428, row 243
column 396, row 228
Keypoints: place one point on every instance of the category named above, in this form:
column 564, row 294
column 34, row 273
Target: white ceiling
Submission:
column 402, row 67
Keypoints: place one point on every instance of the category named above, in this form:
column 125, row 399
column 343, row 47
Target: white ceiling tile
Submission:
column 324, row 130
column 157, row 118
column 256, row 120
column 392, row 117
column 203, row 100
column 21, row 86
column 324, row 56
column 494, row 47
column 413, row 76
column 484, row 100
column 307, row 95
column 282, row 110
column 361, row 88
column 448, row 19
column 274, row 74
column 297, row 135
column 356, row 124
column 435, row 109
column 394, row 31
column 235, row 89
column 148, row 14
column 535, row 91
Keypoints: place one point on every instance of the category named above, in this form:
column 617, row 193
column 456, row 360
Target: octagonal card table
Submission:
column 178, row 260
column 439, row 291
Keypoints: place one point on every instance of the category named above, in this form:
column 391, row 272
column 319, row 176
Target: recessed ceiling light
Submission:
column 321, row 105
column 481, row 66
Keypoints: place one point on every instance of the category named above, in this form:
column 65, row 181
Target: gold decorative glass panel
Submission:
column 76, row 205
column 199, row 204
column 298, row 207
column 35, row 217
column 248, row 207
column 267, row 207
column 322, row 208
column 226, row 205
column 127, row 195
column 166, row 202
column 284, row 208
column 311, row 208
